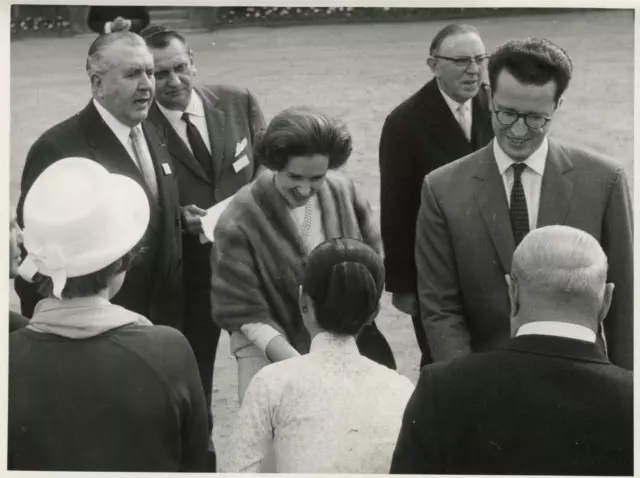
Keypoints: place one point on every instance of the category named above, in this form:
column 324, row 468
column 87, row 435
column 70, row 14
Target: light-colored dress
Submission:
column 330, row 411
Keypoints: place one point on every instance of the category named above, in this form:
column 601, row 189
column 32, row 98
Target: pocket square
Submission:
column 241, row 146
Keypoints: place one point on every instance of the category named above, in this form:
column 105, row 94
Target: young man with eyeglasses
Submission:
column 476, row 210
column 446, row 119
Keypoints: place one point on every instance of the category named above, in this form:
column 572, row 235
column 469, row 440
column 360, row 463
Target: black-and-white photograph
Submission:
column 321, row 239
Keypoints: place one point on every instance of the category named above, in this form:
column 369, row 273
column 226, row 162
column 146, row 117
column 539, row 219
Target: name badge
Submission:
column 166, row 169
column 242, row 163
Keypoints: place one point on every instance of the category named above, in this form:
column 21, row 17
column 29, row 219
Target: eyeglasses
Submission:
column 464, row 62
column 509, row 118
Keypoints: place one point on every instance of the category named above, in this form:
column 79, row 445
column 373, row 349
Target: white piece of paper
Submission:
column 211, row 219
column 240, row 164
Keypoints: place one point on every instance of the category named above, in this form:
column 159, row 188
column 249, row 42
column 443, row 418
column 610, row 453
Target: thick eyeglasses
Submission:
column 464, row 62
column 509, row 118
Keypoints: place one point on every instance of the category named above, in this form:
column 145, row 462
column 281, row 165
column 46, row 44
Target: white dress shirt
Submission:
column 454, row 105
column 531, row 177
column 195, row 109
column 122, row 131
column 330, row 411
column 558, row 329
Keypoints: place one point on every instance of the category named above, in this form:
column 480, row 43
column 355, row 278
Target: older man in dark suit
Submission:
column 446, row 119
column 476, row 210
column 548, row 401
column 112, row 131
column 210, row 133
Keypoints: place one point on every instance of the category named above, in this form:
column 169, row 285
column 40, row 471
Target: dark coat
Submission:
column 540, row 405
column 464, row 245
column 419, row 135
column 153, row 286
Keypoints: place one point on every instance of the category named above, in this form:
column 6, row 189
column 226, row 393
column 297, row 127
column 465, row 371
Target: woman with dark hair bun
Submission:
column 332, row 410
column 269, row 228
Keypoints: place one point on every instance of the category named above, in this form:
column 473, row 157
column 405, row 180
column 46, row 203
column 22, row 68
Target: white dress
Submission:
column 330, row 411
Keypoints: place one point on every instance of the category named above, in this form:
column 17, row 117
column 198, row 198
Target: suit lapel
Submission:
column 555, row 195
column 481, row 129
column 492, row 201
column 175, row 144
column 441, row 125
column 215, row 125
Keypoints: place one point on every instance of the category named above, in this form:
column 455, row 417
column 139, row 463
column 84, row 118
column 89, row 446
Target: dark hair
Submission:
column 532, row 61
column 157, row 36
column 94, row 63
column 345, row 279
column 449, row 31
column 90, row 284
column 303, row 131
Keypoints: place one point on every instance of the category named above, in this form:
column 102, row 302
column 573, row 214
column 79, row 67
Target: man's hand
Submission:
column 191, row 219
column 406, row 302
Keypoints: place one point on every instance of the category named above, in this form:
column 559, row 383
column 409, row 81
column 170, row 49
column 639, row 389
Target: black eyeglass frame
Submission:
column 464, row 61
column 525, row 116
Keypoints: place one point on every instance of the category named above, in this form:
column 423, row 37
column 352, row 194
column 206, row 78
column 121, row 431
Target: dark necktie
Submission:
column 518, row 209
column 198, row 147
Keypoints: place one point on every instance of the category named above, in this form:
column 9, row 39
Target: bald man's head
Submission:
column 560, row 270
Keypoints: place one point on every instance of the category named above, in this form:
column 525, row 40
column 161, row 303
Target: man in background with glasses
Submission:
column 446, row 119
column 475, row 211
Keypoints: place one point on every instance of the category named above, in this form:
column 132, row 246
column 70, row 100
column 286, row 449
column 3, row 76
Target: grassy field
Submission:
column 359, row 72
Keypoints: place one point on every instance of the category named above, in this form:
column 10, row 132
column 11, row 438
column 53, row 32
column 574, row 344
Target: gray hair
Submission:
column 96, row 62
column 561, row 264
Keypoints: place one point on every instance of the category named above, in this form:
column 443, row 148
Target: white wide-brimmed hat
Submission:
column 78, row 219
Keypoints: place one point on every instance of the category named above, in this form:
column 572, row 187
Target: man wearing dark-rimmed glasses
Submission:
column 446, row 119
column 475, row 211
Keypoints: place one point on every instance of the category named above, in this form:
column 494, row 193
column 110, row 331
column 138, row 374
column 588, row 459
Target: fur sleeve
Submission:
column 366, row 222
column 237, row 296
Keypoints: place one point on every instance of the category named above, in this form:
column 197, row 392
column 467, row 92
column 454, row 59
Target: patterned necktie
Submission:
column 463, row 119
column 198, row 147
column 518, row 211
column 145, row 163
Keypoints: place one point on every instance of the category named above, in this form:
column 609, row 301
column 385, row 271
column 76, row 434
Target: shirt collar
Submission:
column 558, row 329
column 122, row 131
column 194, row 108
column 536, row 161
column 453, row 104
column 328, row 342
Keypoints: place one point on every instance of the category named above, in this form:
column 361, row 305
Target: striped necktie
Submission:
column 143, row 158
column 518, row 211
column 463, row 119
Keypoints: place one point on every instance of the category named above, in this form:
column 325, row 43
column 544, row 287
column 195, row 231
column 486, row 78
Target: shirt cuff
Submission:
column 259, row 334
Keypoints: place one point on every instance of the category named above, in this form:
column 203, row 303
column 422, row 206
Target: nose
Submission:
column 147, row 81
column 473, row 67
column 173, row 80
column 519, row 128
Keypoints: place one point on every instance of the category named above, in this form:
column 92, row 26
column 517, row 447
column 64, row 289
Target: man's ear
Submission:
column 606, row 303
column 559, row 103
column 97, row 85
column 431, row 63
column 192, row 61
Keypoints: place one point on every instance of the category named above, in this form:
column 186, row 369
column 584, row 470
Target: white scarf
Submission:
column 81, row 318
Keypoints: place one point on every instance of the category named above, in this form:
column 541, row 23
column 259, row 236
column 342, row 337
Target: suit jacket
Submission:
column 232, row 116
column 419, row 135
column 540, row 405
column 152, row 286
column 464, row 245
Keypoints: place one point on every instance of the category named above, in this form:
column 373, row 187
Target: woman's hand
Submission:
column 279, row 349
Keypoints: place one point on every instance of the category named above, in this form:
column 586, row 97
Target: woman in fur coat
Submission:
column 269, row 228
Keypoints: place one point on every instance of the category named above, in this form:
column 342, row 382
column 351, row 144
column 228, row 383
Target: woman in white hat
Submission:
column 94, row 386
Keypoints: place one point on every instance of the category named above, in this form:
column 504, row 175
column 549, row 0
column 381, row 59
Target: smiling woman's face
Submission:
column 15, row 239
column 301, row 178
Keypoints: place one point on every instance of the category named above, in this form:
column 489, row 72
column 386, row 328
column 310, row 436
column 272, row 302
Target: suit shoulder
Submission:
column 464, row 166
column 64, row 129
column 406, row 109
column 226, row 91
column 588, row 158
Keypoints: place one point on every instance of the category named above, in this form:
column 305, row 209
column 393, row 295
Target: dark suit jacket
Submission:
column 232, row 115
column 419, row 135
column 152, row 287
column 539, row 405
column 464, row 245
column 99, row 15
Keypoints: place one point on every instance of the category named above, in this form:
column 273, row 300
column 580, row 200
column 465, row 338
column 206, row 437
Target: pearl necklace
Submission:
column 308, row 218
